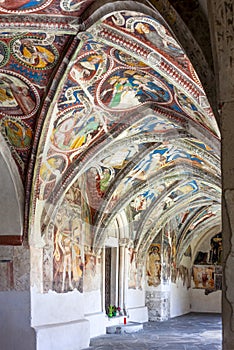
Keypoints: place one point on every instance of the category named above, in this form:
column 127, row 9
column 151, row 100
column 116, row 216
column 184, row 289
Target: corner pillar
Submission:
column 221, row 17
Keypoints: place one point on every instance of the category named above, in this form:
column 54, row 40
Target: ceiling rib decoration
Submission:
column 114, row 106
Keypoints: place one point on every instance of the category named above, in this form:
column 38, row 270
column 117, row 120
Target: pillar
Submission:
column 121, row 275
column 221, row 18
column 123, row 272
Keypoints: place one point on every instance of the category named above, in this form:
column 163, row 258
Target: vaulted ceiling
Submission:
column 101, row 98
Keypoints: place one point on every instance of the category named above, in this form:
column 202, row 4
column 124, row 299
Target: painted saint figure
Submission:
column 105, row 179
column 159, row 38
column 18, row 133
column 132, row 270
column 154, row 266
column 67, row 250
column 36, row 56
column 86, row 68
column 20, row 93
column 130, row 88
column 75, row 132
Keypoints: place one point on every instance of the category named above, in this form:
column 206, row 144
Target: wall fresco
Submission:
column 76, row 130
column 149, row 31
column 150, row 124
column 21, row 90
column 14, row 268
column 108, row 77
column 120, row 96
column 85, row 103
column 185, row 275
column 4, row 53
column 207, row 269
column 206, row 214
column 173, row 257
column 16, row 132
column 68, row 243
column 18, row 96
column 74, row 7
column 89, row 66
column 203, row 277
column 141, row 203
column 75, row 266
column 163, row 156
column 135, row 271
column 132, row 269
column 92, row 273
column 35, row 52
column 166, row 255
column 67, row 255
column 154, row 265
column 214, row 255
column 144, row 29
column 23, row 5
column 125, row 89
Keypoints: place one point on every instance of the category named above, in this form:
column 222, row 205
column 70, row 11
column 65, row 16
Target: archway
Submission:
column 126, row 127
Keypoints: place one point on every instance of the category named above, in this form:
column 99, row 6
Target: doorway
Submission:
column 111, row 277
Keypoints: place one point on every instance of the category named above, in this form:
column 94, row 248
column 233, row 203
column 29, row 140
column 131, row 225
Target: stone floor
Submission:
column 188, row 332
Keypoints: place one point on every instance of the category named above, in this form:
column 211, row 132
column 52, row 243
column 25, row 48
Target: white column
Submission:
column 121, row 275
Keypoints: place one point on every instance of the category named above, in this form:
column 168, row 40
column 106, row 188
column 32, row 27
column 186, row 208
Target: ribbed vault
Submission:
column 105, row 103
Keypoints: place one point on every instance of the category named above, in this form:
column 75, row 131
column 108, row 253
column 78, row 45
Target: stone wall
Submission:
column 158, row 303
column 14, row 268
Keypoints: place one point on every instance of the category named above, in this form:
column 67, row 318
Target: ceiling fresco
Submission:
column 112, row 106
column 27, row 62
column 71, row 7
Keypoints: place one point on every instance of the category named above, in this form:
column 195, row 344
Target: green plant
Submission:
column 111, row 310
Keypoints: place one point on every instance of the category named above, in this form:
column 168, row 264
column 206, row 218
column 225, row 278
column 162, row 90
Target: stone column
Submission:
column 158, row 290
column 221, row 16
column 121, row 274
column 123, row 271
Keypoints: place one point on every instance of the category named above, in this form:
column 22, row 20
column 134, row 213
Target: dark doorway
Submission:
column 107, row 278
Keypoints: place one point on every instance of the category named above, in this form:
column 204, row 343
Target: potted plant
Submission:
column 111, row 310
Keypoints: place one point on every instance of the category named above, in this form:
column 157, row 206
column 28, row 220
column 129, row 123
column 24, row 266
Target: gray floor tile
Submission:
column 188, row 332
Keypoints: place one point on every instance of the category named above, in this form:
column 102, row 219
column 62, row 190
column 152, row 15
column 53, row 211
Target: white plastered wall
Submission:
column 12, row 194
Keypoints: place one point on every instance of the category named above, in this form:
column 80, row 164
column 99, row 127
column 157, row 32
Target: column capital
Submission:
column 125, row 242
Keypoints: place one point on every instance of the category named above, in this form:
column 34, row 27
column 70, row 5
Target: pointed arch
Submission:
column 12, row 198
